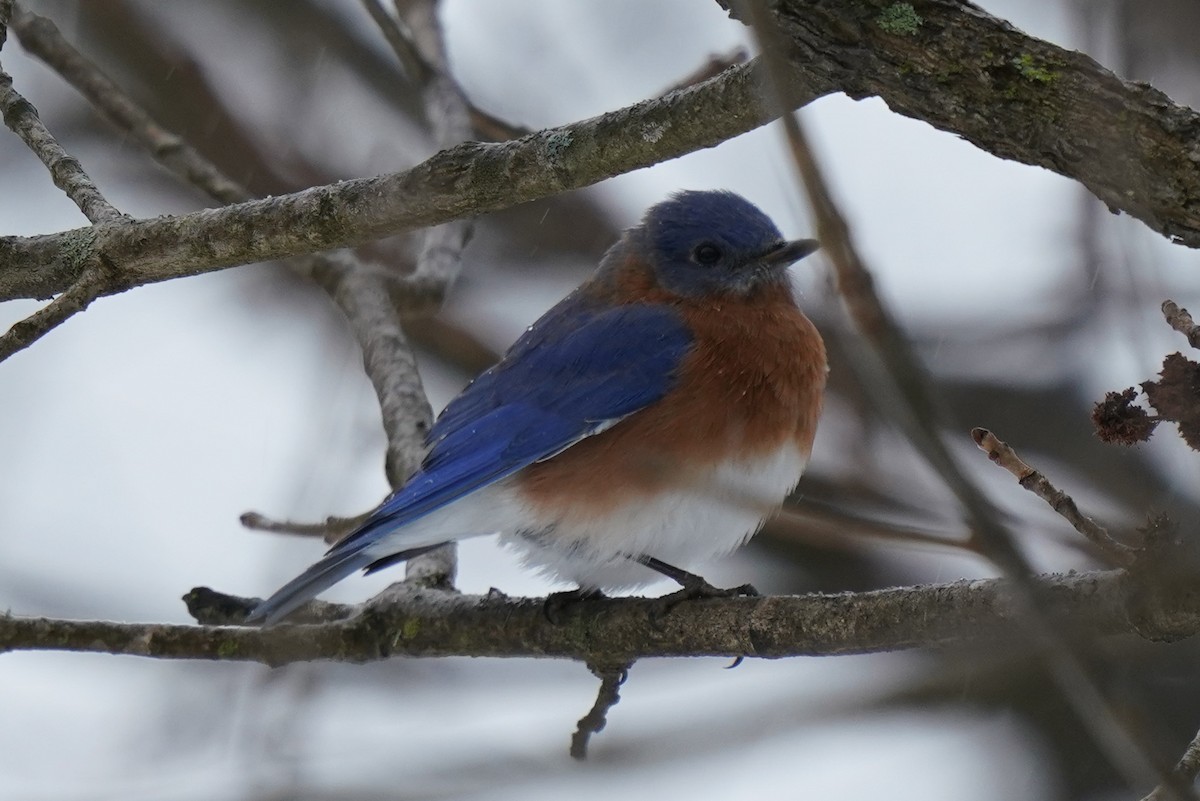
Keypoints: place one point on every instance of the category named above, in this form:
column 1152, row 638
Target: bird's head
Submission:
column 715, row 242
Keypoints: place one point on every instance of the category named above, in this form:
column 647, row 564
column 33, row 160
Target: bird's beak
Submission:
column 785, row 253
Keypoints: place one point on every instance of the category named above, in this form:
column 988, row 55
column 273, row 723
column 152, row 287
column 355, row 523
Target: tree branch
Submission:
column 65, row 170
column 1179, row 319
column 464, row 180
column 1004, row 456
column 42, row 39
column 428, row 622
column 609, row 693
column 962, row 70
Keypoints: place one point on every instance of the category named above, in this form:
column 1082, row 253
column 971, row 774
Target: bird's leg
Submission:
column 558, row 602
column 694, row 586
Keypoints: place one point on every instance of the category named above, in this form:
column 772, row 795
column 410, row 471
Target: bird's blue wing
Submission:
column 577, row 371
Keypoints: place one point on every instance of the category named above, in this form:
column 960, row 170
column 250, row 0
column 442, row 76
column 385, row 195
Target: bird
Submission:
column 651, row 420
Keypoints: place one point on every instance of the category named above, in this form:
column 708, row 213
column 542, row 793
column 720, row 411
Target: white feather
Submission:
column 684, row 527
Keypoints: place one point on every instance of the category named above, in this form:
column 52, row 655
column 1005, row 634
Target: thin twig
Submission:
column 611, row 678
column 401, row 41
column 1062, row 503
column 918, row 413
column 65, row 170
column 331, row 529
column 387, row 359
column 23, row 333
column 1179, row 319
column 41, row 38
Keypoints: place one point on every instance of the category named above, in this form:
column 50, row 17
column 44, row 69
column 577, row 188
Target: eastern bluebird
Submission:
column 655, row 416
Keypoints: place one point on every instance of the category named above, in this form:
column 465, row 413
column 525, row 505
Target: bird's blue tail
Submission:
column 324, row 574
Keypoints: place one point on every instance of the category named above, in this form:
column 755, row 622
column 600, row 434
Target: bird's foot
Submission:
column 558, row 602
column 696, row 588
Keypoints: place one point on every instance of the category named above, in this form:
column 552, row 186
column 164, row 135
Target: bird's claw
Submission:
column 697, row 590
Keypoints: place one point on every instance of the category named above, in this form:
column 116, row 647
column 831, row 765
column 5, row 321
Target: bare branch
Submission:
column 42, row 39
column 611, row 678
column 964, row 79
column 22, row 334
column 65, row 170
column 467, row 179
column 430, row 622
column 418, row 42
column 331, row 529
column 1062, row 503
column 1181, row 321
column 962, row 70
column 401, row 41
column 387, row 359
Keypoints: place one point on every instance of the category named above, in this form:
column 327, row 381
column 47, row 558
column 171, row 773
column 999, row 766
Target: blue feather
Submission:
column 575, row 372
column 578, row 370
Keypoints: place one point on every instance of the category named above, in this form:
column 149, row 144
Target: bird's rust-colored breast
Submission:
column 751, row 384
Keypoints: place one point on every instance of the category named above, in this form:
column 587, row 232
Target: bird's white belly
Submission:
column 713, row 515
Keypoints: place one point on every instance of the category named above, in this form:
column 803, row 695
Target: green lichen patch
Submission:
column 900, row 19
column 1032, row 70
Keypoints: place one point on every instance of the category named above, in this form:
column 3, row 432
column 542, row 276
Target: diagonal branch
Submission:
column 41, row 38
column 23, row 333
column 953, row 65
column 961, row 69
column 464, row 180
column 1003, row 455
column 65, row 170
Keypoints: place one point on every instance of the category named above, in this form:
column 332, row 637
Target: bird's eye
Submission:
column 707, row 254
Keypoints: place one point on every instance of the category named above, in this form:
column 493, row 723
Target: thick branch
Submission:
column 961, row 69
column 615, row 631
column 465, row 180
